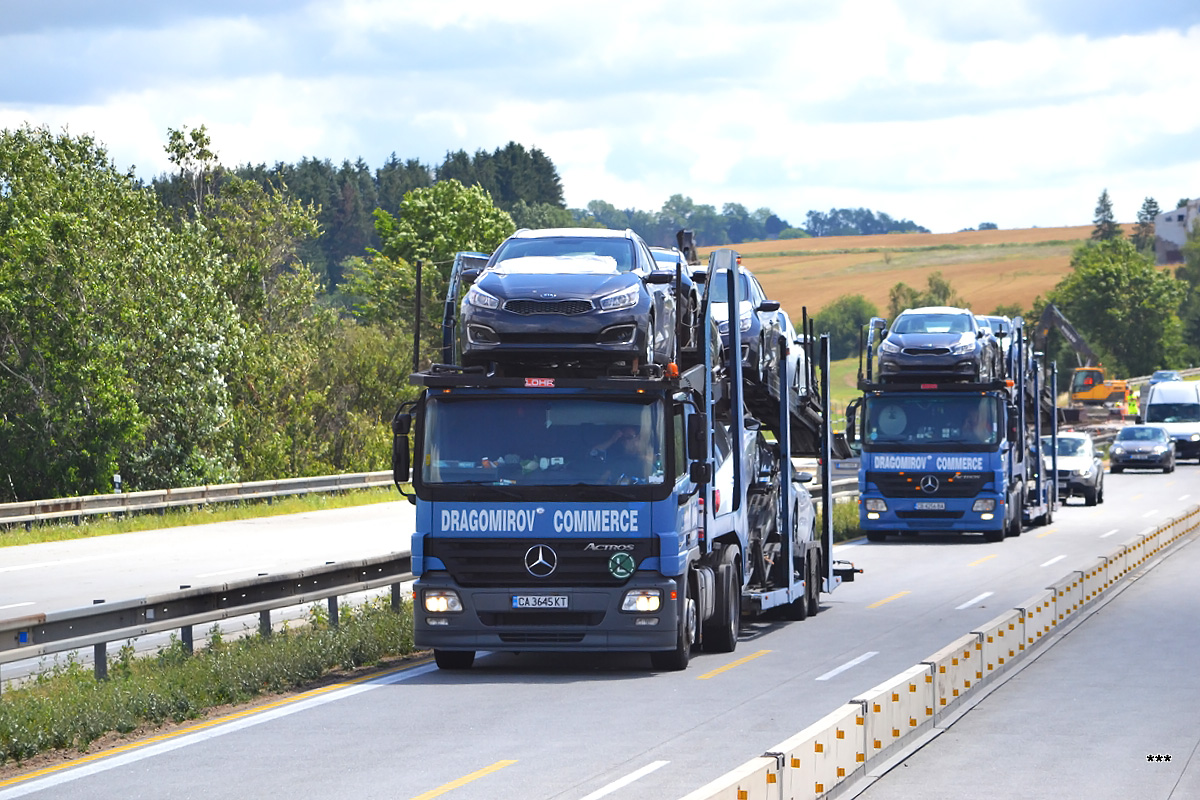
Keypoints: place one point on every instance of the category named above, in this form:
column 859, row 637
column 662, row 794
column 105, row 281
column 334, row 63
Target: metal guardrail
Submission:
column 38, row 635
column 162, row 499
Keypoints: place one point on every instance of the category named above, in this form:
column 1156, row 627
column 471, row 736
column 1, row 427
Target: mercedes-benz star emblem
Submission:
column 540, row 561
column 929, row 484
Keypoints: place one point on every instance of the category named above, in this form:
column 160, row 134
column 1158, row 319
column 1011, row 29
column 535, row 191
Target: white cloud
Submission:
column 947, row 113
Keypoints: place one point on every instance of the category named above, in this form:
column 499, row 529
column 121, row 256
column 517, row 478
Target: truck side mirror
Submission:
column 700, row 472
column 852, row 422
column 401, row 466
column 697, row 437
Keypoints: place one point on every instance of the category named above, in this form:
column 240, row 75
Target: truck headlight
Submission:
column 643, row 601
column 626, row 298
column 984, row 504
column 442, row 601
column 1195, row 437
column 481, row 299
column 875, row 504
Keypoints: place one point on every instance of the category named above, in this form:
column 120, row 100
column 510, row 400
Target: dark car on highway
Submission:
column 938, row 343
column 570, row 295
column 1142, row 447
column 1161, row 375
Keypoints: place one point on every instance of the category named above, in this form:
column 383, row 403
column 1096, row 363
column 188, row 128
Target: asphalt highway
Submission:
column 556, row 725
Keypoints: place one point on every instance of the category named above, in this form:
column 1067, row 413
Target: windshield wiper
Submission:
column 502, row 488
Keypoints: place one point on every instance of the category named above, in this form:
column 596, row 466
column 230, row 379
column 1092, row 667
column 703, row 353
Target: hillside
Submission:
column 986, row 268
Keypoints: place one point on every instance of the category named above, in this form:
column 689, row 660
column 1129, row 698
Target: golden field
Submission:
column 985, row 268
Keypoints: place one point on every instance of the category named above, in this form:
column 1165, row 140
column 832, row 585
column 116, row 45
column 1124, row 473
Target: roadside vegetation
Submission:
column 66, row 709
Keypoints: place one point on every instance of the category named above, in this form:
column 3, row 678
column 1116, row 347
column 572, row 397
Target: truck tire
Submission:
column 454, row 659
column 797, row 610
column 721, row 632
column 814, row 596
column 677, row 660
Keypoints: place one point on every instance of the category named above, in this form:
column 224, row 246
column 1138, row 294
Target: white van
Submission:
column 1175, row 407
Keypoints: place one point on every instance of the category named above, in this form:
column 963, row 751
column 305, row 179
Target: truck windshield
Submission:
column 929, row 422
column 535, row 442
column 1173, row 412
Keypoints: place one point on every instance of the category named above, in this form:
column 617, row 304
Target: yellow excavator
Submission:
column 1089, row 385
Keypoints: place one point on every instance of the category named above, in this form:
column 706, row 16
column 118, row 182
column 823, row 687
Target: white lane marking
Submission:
column 848, row 665
column 16, row 605
column 56, row 563
column 973, row 601
column 628, row 779
column 226, row 572
column 1150, row 513
column 149, row 751
column 1184, row 496
column 1053, row 560
column 1110, row 533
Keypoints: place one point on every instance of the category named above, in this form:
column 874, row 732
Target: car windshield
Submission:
column 1139, row 434
column 618, row 249
column 520, row 442
column 931, row 323
column 720, row 287
column 997, row 324
column 665, row 258
column 1070, row 447
column 1173, row 412
column 963, row 422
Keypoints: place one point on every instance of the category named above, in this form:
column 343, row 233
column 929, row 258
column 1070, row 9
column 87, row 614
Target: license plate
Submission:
column 1142, row 456
column 539, row 601
column 930, row 506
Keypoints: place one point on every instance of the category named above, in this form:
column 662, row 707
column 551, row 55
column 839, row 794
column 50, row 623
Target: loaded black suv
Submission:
column 938, row 343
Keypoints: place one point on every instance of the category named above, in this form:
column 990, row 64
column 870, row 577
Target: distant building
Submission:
column 1171, row 230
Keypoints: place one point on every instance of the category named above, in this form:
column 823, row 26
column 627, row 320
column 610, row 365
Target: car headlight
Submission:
column 481, row 299
column 962, row 349
column 745, row 322
column 1160, row 449
column 1084, row 472
column 1117, row 450
column 626, row 298
column 1195, row 437
column 887, row 347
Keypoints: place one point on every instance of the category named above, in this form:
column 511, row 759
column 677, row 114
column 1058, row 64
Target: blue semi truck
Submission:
column 954, row 456
column 646, row 512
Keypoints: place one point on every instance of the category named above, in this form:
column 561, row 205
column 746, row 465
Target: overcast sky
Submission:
column 946, row 112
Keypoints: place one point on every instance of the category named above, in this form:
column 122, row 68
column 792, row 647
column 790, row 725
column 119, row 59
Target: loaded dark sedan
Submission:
column 938, row 343
column 570, row 295
column 1142, row 447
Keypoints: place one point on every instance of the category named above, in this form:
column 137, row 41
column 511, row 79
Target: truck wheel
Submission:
column 721, row 632
column 797, row 610
column 814, row 596
column 454, row 659
column 677, row 659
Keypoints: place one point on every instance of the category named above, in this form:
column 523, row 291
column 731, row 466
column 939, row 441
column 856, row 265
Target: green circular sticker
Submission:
column 621, row 565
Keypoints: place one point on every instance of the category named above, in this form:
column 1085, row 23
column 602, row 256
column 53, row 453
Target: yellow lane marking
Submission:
column 896, row 596
column 200, row 726
column 731, row 665
column 977, row 562
column 1045, row 533
column 464, row 780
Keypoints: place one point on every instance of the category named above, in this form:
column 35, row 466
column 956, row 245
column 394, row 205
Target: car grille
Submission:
column 908, row 484
column 927, row 351
column 501, row 562
column 567, row 307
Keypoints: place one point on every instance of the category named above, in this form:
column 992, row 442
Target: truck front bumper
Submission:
column 902, row 514
column 592, row 618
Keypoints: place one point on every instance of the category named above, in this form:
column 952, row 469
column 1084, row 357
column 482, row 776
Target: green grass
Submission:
column 66, row 708
column 63, row 530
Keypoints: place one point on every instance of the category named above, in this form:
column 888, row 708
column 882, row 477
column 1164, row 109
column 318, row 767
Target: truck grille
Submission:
column 548, row 306
column 500, row 563
column 949, row 484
